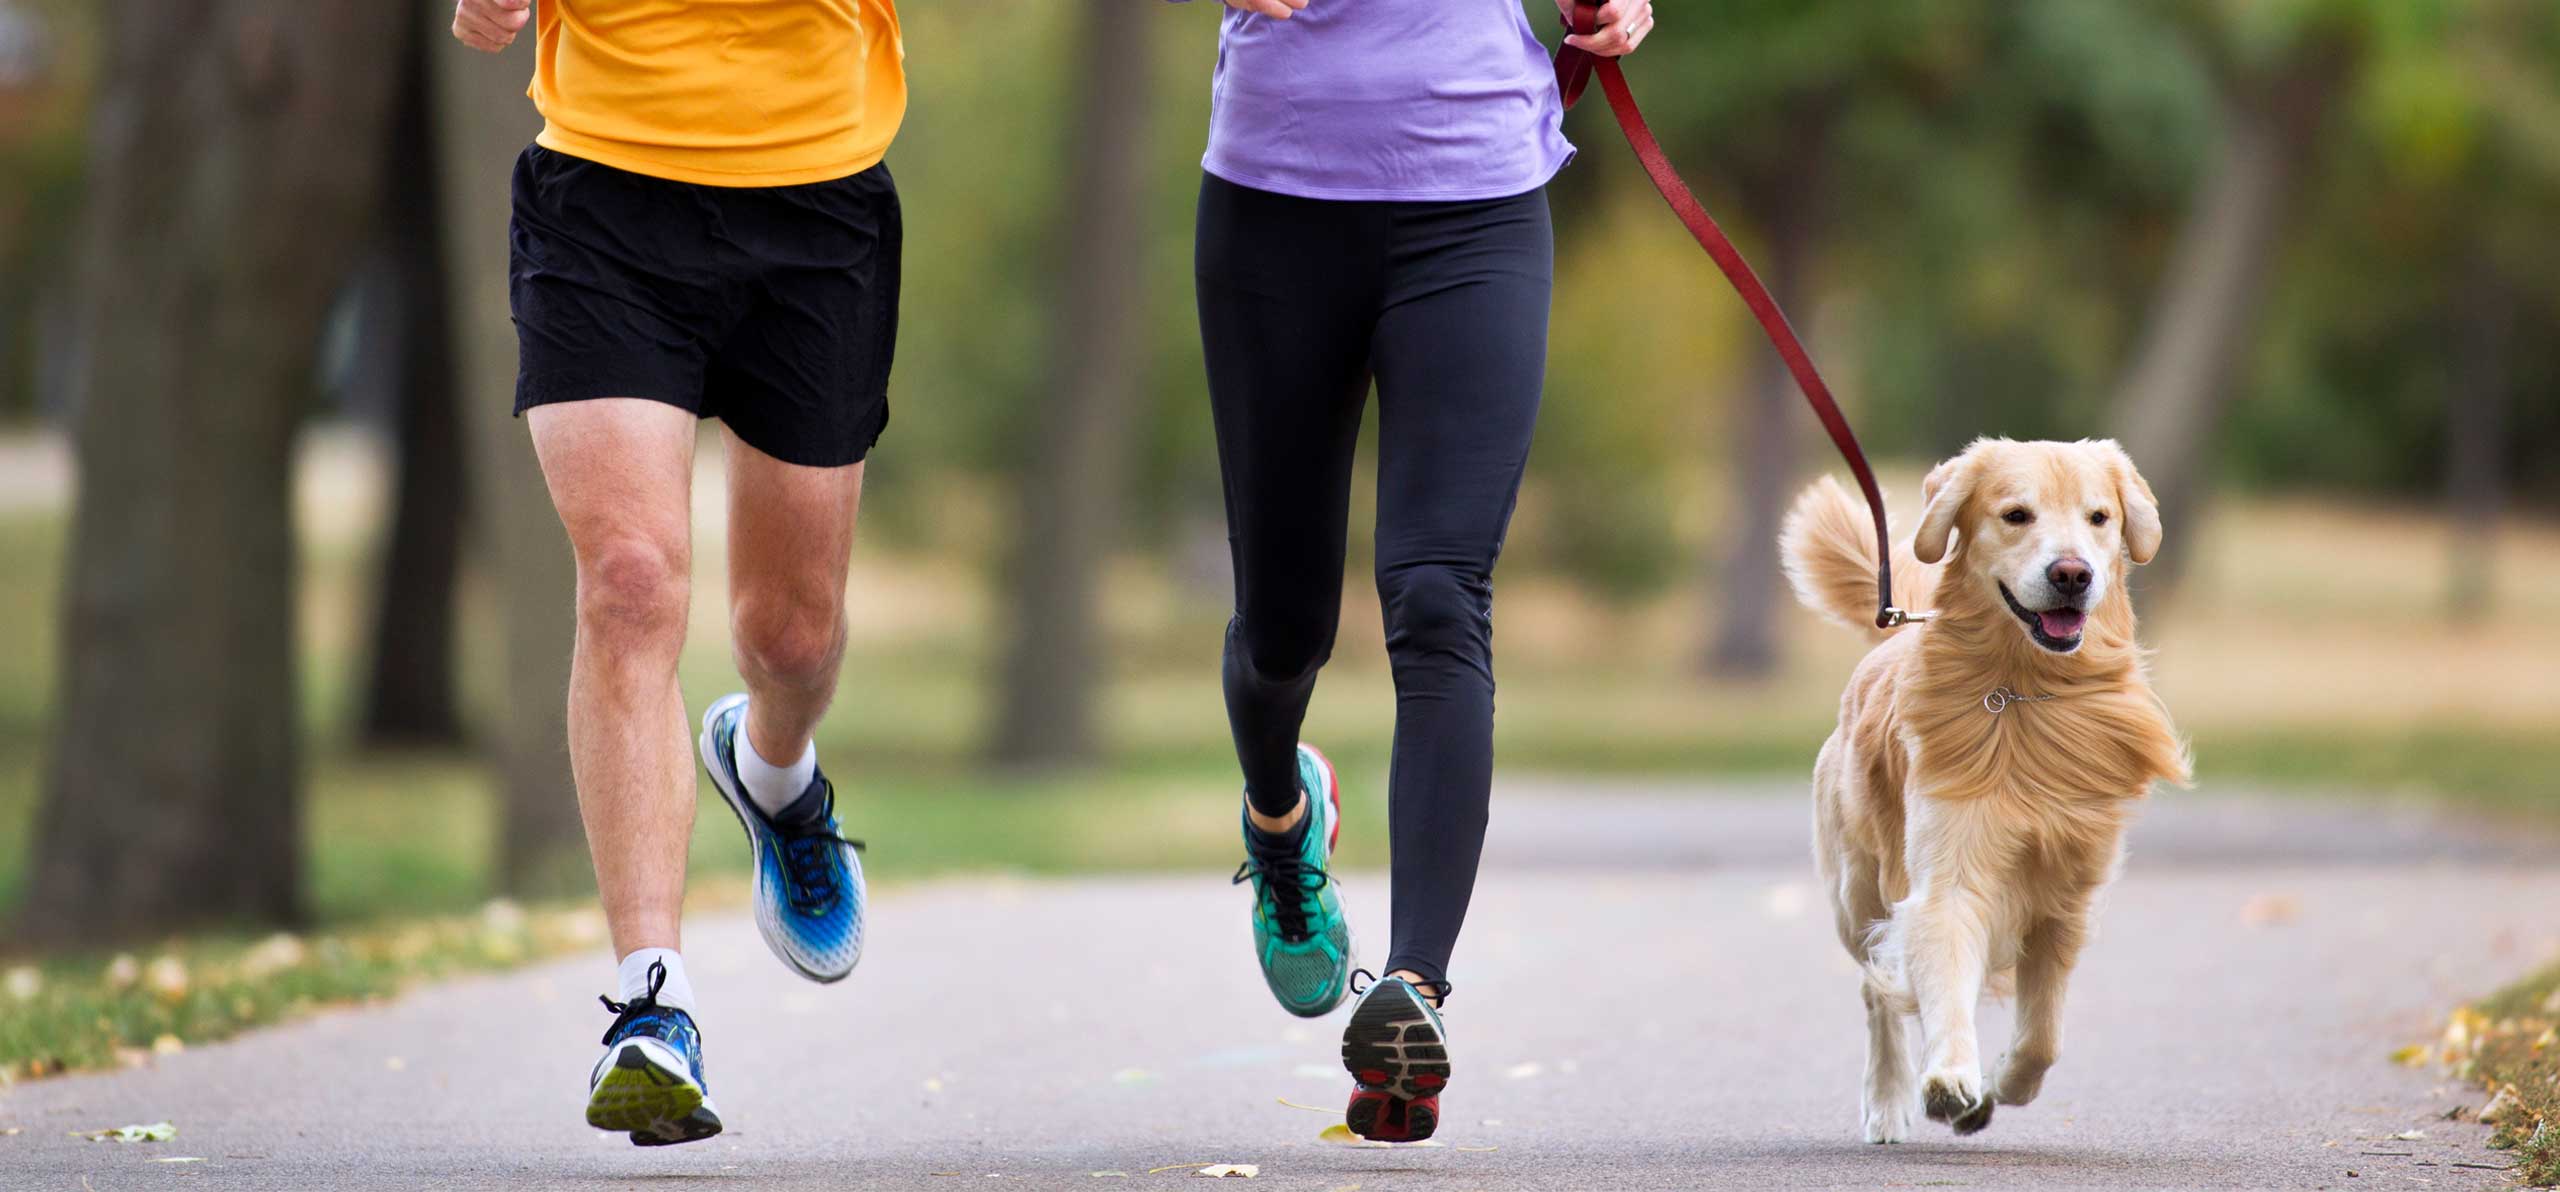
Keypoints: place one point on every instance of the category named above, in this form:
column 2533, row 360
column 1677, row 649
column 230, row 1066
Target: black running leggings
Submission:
column 1302, row 302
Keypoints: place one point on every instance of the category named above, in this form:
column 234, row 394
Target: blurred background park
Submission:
column 284, row 613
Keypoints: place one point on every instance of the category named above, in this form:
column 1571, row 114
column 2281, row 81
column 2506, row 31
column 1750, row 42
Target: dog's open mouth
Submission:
column 2056, row 629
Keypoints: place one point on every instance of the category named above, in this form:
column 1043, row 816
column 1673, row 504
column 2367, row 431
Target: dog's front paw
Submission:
column 1954, row 1096
column 1889, row 1122
column 2018, row 1083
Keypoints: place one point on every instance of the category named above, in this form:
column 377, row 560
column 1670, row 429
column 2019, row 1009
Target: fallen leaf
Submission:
column 1174, row 1167
column 1341, row 1135
column 1133, row 1076
column 167, row 978
column 11, row 1130
column 155, row 1132
column 2267, row 910
column 2412, row 1056
column 168, row 1045
column 1219, row 1171
column 179, row 1159
column 2409, row 1135
column 1479, row 1148
column 1108, row 1175
column 1309, row 1108
column 272, row 955
column 2500, row 1108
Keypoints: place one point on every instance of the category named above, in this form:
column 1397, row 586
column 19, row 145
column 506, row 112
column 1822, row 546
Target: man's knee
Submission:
column 794, row 639
column 634, row 590
column 1433, row 609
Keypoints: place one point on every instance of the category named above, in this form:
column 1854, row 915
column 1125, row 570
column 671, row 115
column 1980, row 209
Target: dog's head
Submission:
column 2050, row 527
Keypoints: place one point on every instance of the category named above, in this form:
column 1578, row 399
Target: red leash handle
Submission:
column 1574, row 68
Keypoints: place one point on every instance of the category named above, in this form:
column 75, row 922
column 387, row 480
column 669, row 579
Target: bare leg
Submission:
column 620, row 471
column 790, row 540
column 2051, row 949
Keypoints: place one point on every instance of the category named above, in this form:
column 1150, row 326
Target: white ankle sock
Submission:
column 634, row 978
column 771, row 787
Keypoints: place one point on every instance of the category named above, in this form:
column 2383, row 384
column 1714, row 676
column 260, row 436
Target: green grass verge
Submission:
column 69, row 1012
column 2510, row 1043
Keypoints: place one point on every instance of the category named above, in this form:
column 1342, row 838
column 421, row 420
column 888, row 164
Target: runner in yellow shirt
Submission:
column 704, row 229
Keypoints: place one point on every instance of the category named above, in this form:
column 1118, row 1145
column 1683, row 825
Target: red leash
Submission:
column 1574, row 69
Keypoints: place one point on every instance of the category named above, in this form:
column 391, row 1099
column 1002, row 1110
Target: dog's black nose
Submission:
column 2068, row 576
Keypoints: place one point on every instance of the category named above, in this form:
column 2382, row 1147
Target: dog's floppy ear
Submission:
column 1943, row 495
column 2141, row 509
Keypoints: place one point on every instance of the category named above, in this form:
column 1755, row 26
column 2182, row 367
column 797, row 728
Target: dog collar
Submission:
column 2001, row 697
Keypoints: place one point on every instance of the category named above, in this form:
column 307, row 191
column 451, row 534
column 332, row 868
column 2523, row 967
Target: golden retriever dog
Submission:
column 1974, row 800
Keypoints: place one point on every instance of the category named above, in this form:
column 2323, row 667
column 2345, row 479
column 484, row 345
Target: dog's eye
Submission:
column 2017, row 517
column 2099, row 518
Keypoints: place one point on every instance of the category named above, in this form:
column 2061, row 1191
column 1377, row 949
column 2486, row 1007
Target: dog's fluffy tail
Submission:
column 1828, row 547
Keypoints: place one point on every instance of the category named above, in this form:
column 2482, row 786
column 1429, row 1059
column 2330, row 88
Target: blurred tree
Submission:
column 231, row 169
column 482, row 121
column 1766, row 88
column 408, row 690
column 1072, row 484
column 2280, row 69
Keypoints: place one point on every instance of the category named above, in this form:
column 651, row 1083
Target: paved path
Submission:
column 2229, row 1030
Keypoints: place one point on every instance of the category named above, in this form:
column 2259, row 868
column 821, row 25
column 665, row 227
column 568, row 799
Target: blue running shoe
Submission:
column 649, row 1082
column 1300, row 934
column 808, row 887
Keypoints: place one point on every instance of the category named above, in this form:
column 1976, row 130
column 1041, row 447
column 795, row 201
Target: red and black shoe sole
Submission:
column 1395, row 1052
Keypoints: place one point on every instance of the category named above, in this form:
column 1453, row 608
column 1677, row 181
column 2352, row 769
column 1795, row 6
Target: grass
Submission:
column 70, row 1012
column 2510, row 1043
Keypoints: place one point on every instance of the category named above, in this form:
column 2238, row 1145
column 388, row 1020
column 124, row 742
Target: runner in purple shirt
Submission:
column 1374, row 208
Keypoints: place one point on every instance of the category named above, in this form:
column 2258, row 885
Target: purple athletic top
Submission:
column 1386, row 100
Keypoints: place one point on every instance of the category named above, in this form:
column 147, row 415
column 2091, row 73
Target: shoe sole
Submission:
column 656, row 1105
column 766, row 926
column 1401, row 1062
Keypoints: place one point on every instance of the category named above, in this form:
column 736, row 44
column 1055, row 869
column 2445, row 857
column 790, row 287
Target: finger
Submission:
column 501, row 14
column 1278, row 10
column 480, row 32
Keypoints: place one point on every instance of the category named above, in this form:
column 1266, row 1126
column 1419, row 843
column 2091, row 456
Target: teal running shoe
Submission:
column 1299, row 933
column 649, row 1083
column 809, row 892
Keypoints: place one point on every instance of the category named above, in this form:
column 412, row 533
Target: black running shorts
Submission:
column 773, row 309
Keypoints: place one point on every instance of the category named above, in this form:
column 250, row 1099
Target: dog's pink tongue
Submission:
column 2062, row 622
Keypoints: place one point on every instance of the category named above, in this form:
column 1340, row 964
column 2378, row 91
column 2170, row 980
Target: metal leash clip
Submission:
column 1896, row 618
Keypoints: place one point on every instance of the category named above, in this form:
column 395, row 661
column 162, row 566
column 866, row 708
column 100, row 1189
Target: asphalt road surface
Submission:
column 1649, row 996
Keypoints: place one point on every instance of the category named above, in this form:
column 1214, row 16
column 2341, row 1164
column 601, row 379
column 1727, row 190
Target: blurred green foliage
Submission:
column 1995, row 187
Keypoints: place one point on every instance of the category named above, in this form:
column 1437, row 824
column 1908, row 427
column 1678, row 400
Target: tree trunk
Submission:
column 482, row 122
column 1746, row 640
column 409, row 690
column 2205, row 314
column 2475, row 438
column 231, row 169
column 1070, row 495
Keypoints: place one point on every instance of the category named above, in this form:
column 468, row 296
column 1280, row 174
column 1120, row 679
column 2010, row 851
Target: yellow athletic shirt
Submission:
column 721, row 92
